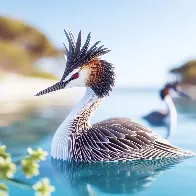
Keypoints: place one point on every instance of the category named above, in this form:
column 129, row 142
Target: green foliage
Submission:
column 3, row 187
column 10, row 28
column 7, row 168
column 29, row 166
column 187, row 71
column 41, row 74
column 14, row 59
column 30, row 163
column 3, row 190
column 43, row 187
column 3, row 154
column 20, row 46
column 26, row 37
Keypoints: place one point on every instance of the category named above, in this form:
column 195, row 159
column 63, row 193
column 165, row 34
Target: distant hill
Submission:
column 187, row 71
column 21, row 45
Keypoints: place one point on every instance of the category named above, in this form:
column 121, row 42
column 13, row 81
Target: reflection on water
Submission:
column 186, row 107
column 111, row 177
column 29, row 127
column 35, row 126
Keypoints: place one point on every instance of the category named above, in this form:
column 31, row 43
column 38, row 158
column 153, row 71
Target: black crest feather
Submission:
column 77, row 56
column 174, row 82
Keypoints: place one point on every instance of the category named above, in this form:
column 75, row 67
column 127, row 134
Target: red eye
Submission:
column 75, row 76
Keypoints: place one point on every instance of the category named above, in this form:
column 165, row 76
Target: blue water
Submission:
column 136, row 178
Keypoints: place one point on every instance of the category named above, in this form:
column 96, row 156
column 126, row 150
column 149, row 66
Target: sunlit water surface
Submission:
column 36, row 128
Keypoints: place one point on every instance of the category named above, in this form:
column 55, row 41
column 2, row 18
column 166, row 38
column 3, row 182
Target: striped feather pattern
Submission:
column 77, row 56
column 115, row 139
column 120, row 139
column 55, row 87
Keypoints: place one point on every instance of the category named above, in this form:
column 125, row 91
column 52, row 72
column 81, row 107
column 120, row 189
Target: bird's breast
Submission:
column 62, row 142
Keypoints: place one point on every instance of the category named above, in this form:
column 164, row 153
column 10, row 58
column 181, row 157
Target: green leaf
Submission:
column 3, row 187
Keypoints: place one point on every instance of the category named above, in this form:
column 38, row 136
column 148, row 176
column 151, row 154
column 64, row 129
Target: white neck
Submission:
column 77, row 119
column 85, row 103
column 172, row 114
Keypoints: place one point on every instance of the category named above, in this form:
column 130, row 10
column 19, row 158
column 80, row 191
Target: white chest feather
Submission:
column 63, row 140
column 171, row 119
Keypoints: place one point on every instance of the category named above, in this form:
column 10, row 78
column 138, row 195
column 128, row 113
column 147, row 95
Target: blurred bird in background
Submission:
column 167, row 117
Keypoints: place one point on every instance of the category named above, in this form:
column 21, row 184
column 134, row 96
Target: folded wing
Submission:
column 123, row 139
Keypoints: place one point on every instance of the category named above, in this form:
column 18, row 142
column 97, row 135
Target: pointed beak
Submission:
column 55, row 87
column 184, row 95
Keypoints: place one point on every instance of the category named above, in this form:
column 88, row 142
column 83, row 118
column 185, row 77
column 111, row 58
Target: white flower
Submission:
column 43, row 187
column 3, row 193
column 3, row 153
column 38, row 154
column 3, row 190
column 7, row 168
column 30, row 168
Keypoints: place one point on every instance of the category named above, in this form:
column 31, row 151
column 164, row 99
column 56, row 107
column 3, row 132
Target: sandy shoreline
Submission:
column 18, row 91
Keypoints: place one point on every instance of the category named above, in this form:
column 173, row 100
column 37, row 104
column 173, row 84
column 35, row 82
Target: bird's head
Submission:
column 84, row 68
column 174, row 85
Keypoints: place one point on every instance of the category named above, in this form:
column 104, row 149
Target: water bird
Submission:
column 167, row 118
column 114, row 139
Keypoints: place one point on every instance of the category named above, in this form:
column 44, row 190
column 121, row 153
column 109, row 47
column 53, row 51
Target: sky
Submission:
column 146, row 37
